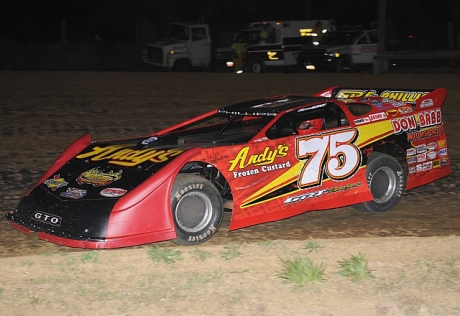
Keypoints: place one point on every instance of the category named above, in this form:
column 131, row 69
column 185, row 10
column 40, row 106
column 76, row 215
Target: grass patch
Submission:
column 312, row 246
column 200, row 254
column 165, row 255
column 230, row 251
column 355, row 268
column 301, row 271
column 91, row 256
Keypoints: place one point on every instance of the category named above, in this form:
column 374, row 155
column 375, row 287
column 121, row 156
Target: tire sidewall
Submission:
column 184, row 185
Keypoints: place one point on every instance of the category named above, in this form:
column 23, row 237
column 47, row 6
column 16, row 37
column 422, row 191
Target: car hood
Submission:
column 105, row 170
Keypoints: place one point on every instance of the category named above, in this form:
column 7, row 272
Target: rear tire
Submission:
column 386, row 181
column 197, row 209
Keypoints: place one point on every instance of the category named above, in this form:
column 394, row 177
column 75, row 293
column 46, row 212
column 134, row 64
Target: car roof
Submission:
column 270, row 106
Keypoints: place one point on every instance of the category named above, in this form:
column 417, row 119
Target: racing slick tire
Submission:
column 256, row 66
column 386, row 181
column 197, row 209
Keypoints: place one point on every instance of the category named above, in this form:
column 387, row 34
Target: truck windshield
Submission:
column 340, row 38
column 180, row 32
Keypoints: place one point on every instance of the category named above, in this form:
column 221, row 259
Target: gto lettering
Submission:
column 47, row 218
column 123, row 156
column 243, row 159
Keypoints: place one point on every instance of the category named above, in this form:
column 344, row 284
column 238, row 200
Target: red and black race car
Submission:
column 264, row 160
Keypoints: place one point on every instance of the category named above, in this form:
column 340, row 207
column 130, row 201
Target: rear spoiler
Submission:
column 419, row 97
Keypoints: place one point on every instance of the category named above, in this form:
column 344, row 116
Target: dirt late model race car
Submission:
column 264, row 160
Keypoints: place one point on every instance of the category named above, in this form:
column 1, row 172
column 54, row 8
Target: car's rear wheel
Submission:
column 386, row 181
column 197, row 209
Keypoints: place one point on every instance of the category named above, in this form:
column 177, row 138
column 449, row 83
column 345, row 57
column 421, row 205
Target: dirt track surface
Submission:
column 41, row 113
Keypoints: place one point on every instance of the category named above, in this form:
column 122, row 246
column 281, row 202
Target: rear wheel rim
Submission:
column 383, row 185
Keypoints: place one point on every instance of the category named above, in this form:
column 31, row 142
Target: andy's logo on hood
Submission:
column 125, row 156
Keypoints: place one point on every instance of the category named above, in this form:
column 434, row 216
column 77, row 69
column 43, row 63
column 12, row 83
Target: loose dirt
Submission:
column 412, row 250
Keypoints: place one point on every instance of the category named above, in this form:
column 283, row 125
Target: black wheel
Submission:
column 256, row 66
column 182, row 65
column 197, row 209
column 387, row 182
column 344, row 65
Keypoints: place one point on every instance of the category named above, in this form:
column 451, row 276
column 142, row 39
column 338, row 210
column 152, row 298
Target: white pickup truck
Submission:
column 341, row 51
column 187, row 46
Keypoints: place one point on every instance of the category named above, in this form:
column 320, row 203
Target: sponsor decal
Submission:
column 436, row 164
column 362, row 120
column 310, row 195
column 404, row 109
column 397, row 104
column 421, row 157
column 444, row 161
column 268, row 168
column 243, row 159
column 425, row 133
column 442, row 152
column 113, row 192
column 411, row 160
column 412, row 169
column 392, row 113
column 442, row 143
column 421, row 148
column 411, row 151
column 426, row 103
column 73, row 193
column 404, row 124
column 377, row 116
column 432, row 146
column 149, row 140
column 429, row 118
column 431, row 155
column 98, row 177
column 419, row 168
column 427, row 165
column 405, row 96
column 56, row 182
column 47, row 218
column 128, row 157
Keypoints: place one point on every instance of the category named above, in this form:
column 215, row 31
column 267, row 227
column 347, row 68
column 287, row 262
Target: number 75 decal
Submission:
column 334, row 153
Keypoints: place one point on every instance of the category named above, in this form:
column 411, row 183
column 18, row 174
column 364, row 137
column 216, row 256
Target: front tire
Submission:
column 256, row 66
column 386, row 181
column 197, row 209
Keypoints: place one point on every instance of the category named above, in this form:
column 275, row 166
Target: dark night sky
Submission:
column 39, row 20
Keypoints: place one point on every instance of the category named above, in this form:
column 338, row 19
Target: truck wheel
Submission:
column 182, row 65
column 256, row 66
column 344, row 66
column 197, row 209
column 386, row 181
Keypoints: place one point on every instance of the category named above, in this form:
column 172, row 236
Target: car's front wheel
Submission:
column 386, row 181
column 197, row 209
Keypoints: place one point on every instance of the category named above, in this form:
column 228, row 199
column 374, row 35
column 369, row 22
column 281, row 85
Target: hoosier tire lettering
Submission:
column 197, row 209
